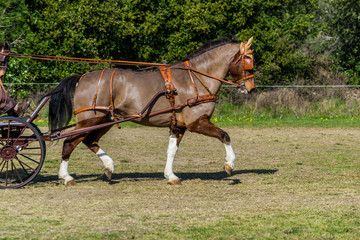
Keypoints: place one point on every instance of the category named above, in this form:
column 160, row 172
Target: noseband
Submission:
column 247, row 64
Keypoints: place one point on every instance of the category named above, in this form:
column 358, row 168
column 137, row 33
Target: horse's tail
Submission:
column 61, row 106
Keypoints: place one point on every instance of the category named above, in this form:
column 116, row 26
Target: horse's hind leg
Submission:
column 69, row 145
column 174, row 141
column 91, row 141
column 204, row 126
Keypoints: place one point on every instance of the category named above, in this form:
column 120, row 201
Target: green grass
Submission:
column 299, row 224
column 289, row 183
column 338, row 115
column 288, row 122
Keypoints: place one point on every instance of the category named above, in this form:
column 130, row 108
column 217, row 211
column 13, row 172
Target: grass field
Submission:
column 289, row 183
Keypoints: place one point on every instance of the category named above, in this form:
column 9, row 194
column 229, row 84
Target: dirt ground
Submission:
column 288, row 183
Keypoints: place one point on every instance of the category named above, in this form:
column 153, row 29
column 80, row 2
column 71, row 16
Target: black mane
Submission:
column 208, row 46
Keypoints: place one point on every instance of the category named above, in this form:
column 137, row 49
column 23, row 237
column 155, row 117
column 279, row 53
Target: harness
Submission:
column 245, row 58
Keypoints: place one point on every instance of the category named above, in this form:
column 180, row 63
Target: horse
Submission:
column 101, row 96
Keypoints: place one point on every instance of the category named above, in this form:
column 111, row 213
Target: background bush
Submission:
column 311, row 41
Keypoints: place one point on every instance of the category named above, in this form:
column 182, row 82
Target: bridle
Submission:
column 246, row 59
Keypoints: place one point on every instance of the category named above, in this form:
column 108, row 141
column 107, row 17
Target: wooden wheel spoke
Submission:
column 29, row 157
column 33, row 148
column 34, row 154
column 24, row 168
column 21, row 162
column 3, row 165
column 22, row 152
column 6, row 174
column 19, row 135
column 17, row 173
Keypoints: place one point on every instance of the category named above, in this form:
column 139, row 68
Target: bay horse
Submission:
column 108, row 94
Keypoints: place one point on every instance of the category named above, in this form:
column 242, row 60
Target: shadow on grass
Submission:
column 135, row 177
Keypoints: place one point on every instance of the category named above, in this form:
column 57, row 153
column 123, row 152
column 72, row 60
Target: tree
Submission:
column 147, row 30
column 15, row 30
column 346, row 31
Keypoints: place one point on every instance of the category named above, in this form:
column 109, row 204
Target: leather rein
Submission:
column 244, row 57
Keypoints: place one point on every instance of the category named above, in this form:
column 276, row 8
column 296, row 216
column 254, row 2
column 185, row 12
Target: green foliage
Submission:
column 346, row 28
column 13, row 25
column 289, row 34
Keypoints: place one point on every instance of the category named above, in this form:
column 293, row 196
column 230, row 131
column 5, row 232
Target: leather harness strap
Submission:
column 170, row 92
column 188, row 66
column 202, row 98
column 169, row 85
column 97, row 88
column 110, row 108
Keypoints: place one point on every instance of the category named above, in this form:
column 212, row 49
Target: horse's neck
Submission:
column 215, row 62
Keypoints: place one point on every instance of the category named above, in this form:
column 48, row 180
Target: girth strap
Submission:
column 169, row 85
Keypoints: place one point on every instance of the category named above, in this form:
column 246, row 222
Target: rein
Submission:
column 170, row 92
column 80, row 60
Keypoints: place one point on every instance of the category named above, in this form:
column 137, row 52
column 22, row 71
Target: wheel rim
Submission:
column 22, row 152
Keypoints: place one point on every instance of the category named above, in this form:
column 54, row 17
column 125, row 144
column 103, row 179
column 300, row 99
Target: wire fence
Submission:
column 12, row 84
column 307, row 86
column 258, row 86
column 303, row 86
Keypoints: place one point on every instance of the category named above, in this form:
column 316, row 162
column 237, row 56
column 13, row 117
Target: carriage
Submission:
column 185, row 103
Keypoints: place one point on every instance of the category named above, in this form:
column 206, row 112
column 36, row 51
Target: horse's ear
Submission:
column 248, row 44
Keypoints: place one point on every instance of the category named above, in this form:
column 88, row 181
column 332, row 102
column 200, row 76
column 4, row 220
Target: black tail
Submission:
column 61, row 106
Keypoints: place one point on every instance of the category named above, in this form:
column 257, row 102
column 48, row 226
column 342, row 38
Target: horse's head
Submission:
column 242, row 67
column 4, row 59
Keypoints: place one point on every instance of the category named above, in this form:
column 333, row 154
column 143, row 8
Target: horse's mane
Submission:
column 209, row 46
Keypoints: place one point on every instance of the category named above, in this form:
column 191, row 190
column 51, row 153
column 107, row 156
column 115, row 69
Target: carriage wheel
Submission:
column 22, row 152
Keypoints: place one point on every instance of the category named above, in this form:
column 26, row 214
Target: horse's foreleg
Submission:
column 91, row 141
column 204, row 126
column 68, row 147
column 174, row 141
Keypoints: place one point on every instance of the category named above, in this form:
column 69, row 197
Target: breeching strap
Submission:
column 103, row 108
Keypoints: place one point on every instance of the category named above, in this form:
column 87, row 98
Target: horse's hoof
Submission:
column 175, row 182
column 108, row 174
column 228, row 169
column 70, row 183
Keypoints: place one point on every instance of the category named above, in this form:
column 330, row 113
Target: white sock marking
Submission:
column 171, row 153
column 230, row 156
column 107, row 161
column 63, row 171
